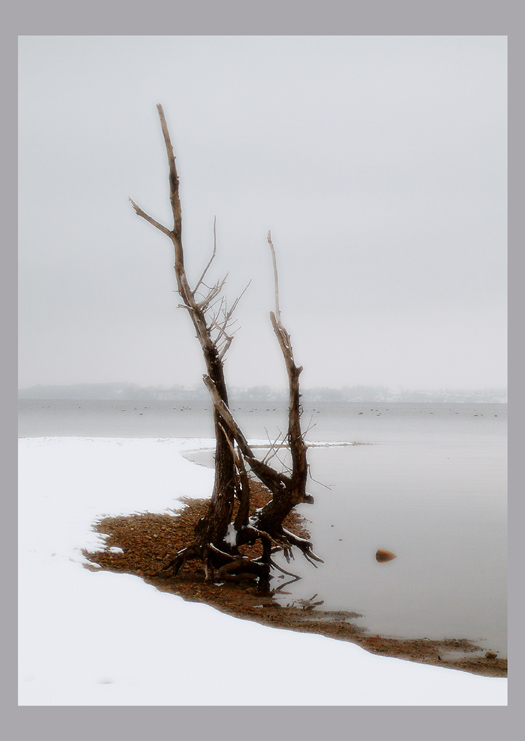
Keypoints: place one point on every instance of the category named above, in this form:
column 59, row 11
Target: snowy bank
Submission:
column 99, row 638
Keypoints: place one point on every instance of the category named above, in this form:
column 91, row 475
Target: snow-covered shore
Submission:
column 99, row 638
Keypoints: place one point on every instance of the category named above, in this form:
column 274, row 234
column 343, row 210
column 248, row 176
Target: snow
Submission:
column 100, row 638
column 231, row 535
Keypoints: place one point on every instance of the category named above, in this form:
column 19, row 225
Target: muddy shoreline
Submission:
column 143, row 543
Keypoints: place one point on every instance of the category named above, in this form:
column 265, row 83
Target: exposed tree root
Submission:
column 250, row 553
column 220, row 564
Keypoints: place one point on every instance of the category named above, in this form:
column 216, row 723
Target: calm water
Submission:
column 428, row 483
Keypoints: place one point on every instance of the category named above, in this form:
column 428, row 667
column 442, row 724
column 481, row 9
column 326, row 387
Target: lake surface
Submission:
column 427, row 482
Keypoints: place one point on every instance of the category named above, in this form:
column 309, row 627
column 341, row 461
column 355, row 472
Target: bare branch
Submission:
column 311, row 425
column 225, row 348
column 217, row 288
column 226, row 320
column 234, row 306
column 146, row 216
column 211, row 258
column 227, row 314
column 227, row 417
column 174, row 180
column 220, row 329
column 274, row 446
column 276, row 279
column 275, row 481
column 222, row 335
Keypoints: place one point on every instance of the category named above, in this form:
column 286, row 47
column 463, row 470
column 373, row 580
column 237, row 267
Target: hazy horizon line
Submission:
column 115, row 391
column 180, row 386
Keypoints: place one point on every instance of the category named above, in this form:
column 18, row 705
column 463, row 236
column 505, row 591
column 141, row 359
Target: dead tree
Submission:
column 218, row 536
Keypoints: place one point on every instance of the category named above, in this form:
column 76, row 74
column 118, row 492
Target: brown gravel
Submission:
column 149, row 542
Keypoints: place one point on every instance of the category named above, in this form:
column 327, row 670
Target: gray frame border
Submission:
column 287, row 17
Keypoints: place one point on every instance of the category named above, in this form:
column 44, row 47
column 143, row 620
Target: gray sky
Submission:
column 379, row 164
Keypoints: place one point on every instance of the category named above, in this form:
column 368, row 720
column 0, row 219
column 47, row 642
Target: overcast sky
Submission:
column 378, row 163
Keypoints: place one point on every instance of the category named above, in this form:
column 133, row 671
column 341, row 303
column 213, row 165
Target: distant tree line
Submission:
column 135, row 392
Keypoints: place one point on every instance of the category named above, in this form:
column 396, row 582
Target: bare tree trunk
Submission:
column 214, row 525
column 233, row 455
column 289, row 489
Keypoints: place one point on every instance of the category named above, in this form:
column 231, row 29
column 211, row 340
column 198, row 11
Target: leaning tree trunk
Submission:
column 287, row 489
column 212, row 528
column 217, row 537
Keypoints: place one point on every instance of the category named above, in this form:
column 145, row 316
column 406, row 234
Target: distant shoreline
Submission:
column 360, row 395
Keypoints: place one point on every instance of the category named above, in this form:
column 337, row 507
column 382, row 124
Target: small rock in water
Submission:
column 383, row 556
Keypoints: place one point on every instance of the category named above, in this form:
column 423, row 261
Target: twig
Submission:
column 151, row 220
column 276, row 278
column 211, row 258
